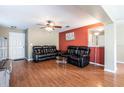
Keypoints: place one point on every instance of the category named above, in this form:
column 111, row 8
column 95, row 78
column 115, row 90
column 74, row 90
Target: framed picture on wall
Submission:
column 70, row 36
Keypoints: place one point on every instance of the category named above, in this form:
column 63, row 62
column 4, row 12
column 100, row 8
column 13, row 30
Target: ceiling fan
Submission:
column 49, row 26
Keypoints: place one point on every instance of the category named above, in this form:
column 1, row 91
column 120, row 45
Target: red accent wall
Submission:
column 81, row 37
column 99, row 55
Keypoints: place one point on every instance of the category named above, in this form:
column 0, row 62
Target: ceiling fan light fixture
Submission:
column 49, row 29
column 51, row 24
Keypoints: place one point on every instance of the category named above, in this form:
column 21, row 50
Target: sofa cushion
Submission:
column 51, row 54
column 74, row 57
column 42, row 55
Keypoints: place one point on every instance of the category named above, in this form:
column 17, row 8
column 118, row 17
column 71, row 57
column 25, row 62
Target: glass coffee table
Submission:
column 61, row 60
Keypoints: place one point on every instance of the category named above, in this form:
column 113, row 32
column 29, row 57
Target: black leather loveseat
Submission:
column 78, row 55
column 41, row 53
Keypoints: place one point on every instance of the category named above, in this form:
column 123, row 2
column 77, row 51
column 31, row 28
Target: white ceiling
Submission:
column 26, row 16
column 116, row 12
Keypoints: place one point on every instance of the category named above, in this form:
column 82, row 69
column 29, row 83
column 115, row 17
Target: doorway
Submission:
column 96, row 42
column 16, row 45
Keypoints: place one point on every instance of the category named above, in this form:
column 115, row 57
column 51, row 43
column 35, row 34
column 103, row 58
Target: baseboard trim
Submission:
column 96, row 64
column 108, row 70
column 120, row 62
column 30, row 59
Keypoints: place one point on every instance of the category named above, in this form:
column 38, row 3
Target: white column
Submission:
column 110, row 48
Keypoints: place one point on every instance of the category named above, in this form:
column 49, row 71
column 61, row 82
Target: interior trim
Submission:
column 97, row 64
column 108, row 70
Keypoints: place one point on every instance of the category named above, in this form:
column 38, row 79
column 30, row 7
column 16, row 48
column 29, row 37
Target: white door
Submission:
column 16, row 45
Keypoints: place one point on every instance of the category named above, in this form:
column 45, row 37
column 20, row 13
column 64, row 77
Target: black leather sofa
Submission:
column 41, row 53
column 78, row 55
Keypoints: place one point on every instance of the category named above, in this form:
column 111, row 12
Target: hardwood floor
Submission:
column 51, row 74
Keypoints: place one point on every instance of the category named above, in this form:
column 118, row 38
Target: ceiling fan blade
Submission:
column 42, row 27
column 40, row 24
column 58, row 26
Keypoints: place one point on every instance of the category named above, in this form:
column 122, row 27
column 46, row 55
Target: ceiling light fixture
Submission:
column 67, row 26
column 49, row 28
column 96, row 33
column 12, row 26
column 100, row 28
column 51, row 24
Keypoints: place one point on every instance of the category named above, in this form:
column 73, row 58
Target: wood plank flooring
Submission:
column 51, row 74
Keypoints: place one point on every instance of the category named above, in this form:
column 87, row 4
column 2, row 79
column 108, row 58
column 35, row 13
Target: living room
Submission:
column 78, row 43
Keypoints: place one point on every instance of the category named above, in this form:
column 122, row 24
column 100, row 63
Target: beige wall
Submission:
column 36, row 36
column 3, row 32
column 120, row 40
